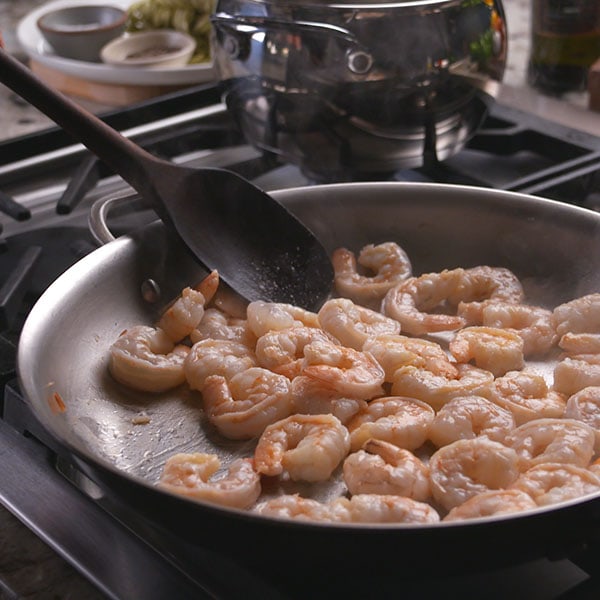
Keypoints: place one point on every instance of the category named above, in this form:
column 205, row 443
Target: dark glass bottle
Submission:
column 565, row 42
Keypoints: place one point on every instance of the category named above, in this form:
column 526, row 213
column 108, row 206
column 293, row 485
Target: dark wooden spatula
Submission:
column 258, row 247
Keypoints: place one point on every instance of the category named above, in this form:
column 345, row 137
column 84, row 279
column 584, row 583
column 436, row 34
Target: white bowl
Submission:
column 157, row 48
column 81, row 31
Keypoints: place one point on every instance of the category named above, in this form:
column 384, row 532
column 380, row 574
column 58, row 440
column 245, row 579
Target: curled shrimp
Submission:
column 216, row 357
column 362, row 508
column 385, row 265
column 341, row 370
column 573, row 374
column 218, row 325
column 466, row 468
column 552, row 441
column 494, row 502
column 353, row 324
column 395, row 351
column 282, row 351
column 581, row 315
column 533, row 324
column 241, row 407
column 550, row 483
column 580, row 344
column 306, row 400
column 192, row 475
column 294, row 506
column 584, row 406
column 302, row 447
column 401, row 421
column 467, row 417
column 495, row 350
column 436, row 389
column 464, row 291
column 382, row 468
column 184, row 314
column 274, row 316
column 145, row 358
column 411, row 302
column 482, row 286
column 527, row 396
column 387, row 508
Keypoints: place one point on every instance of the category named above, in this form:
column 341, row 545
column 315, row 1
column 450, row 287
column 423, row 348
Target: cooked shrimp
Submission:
column 412, row 301
column 466, row 290
column 347, row 372
column 495, row 350
column 146, row 359
column 466, row 468
column 382, row 468
column 308, row 400
column 401, row 421
column 273, row 316
column 533, row 324
column 580, row 344
column 581, row 315
column 385, row 264
column 395, row 351
column 379, row 508
column 550, row 483
column 552, row 441
column 217, row 325
column 467, row 417
column 435, row 389
column 293, row 506
column 216, row 357
column 192, row 475
column 183, row 316
column 362, row 508
column 527, row 396
column 241, row 407
column 489, row 504
column 584, row 406
column 282, row 350
column 302, row 447
column 353, row 324
column 573, row 374
column 229, row 302
column 209, row 286
column 481, row 286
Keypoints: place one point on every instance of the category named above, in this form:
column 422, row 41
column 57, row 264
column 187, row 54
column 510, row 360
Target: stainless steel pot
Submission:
column 358, row 88
column 554, row 248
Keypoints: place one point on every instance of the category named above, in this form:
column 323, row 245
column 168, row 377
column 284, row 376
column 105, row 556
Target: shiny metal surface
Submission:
column 553, row 247
column 355, row 88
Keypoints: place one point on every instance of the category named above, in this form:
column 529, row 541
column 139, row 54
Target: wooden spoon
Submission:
column 258, row 247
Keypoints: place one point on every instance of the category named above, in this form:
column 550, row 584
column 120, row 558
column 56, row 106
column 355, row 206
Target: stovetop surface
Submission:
column 513, row 151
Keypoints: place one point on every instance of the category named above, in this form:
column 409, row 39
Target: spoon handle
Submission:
column 129, row 160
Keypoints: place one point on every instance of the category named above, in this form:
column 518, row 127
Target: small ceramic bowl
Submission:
column 80, row 32
column 150, row 49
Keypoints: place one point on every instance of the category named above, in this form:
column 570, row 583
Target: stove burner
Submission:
column 31, row 261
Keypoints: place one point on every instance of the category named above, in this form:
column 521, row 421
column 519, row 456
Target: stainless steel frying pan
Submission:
column 554, row 248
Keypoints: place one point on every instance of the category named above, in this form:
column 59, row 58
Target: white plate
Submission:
column 36, row 47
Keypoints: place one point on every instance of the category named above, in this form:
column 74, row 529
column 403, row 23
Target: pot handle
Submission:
column 253, row 24
column 99, row 213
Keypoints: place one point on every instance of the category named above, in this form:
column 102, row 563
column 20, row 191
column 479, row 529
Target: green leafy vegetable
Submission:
column 189, row 16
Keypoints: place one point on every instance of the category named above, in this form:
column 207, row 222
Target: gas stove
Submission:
column 48, row 188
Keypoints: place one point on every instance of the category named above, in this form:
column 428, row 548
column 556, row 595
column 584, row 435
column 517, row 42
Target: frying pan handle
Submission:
column 97, row 220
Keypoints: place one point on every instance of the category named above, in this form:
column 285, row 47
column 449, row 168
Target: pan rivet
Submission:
column 360, row 62
column 150, row 291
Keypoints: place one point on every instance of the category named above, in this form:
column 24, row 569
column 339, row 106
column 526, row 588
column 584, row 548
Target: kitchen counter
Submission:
column 28, row 567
